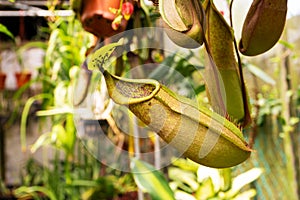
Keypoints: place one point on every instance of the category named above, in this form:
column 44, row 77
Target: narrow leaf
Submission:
column 247, row 195
column 4, row 30
column 150, row 180
column 187, row 177
column 22, row 191
column 25, row 114
column 55, row 111
column 184, row 195
column 260, row 74
column 43, row 140
column 245, row 178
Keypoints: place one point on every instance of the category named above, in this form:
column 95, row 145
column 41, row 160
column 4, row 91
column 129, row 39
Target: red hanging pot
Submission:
column 97, row 18
column 22, row 78
column 2, row 80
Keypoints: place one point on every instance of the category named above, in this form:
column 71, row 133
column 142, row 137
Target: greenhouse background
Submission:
column 63, row 136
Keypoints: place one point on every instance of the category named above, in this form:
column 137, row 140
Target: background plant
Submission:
column 268, row 104
column 78, row 173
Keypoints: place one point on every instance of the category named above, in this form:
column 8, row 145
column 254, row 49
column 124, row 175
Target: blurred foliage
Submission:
column 191, row 181
column 150, row 180
column 78, row 174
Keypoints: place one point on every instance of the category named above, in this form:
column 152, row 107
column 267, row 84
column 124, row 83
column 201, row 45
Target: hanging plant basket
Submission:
column 2, row 80
column 96, row 17
column 22, row 78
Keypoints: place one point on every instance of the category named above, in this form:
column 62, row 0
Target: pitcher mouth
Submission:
column 127, row 91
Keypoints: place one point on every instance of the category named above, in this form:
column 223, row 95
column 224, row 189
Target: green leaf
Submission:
column 187, row 177
column 70, row 139
column 247, row 195
column 25, row 114
column 24, row 191
column 55, row 111
column 293, row 121
column 206, row 190
column 204, row 173
column 64, row 135
column 29, row 45
column 85, row 183
column 185, row 164
column 43, row 140
column 150, row 180
column 242, row 180
column 286, row 44
column 227, row 178
column 180, row 186
column 200, row 88
column 260, row 74
column 4, row 30
column 183, row 195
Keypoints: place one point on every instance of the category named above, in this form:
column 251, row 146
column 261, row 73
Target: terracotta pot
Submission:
column 96, row 17
column 2, row 80
column 22, row 78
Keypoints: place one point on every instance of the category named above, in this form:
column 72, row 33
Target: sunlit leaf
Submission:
column 207, row 172
column 187, row 177
column 294, row 121
column 185, row 164
column 180, row 195
column 243, row 179
column 247, row 195
column 150, row 180
column 206, row 189
column 22, row 192
column 286, row 44
column 29, row 45
column 25, row 114
column 43, row 140
column 260, row 74
column 227, row 178
column 55, row 111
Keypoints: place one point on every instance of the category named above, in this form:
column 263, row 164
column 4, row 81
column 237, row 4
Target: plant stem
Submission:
column 247, row 118
column 157, row 150
column 201, row 16
column 254, row 129
column 137, row 153
column 288, row 133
